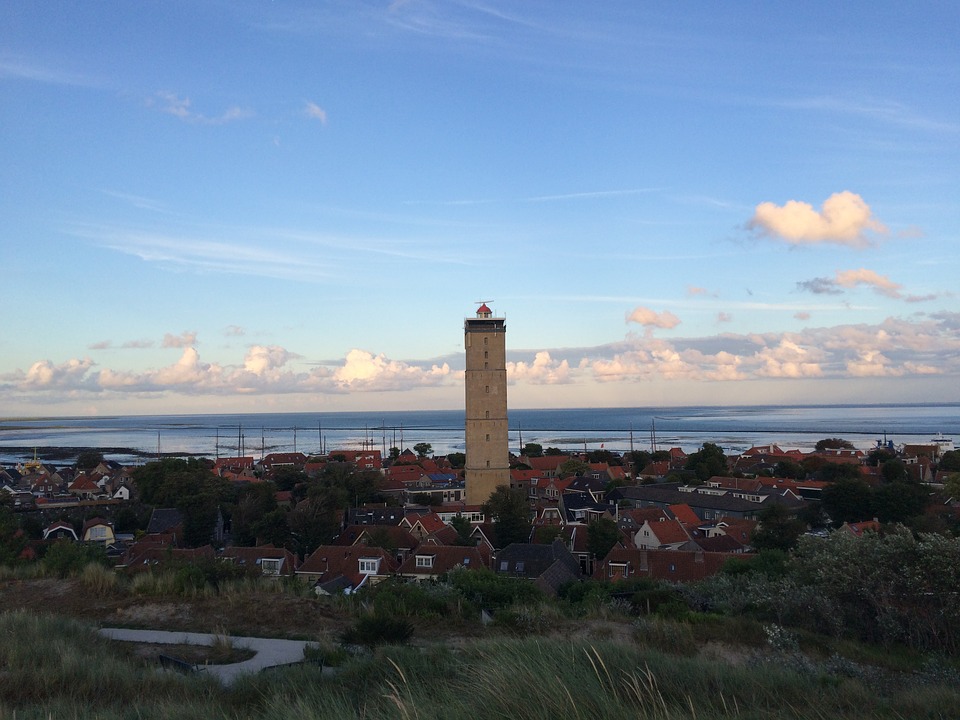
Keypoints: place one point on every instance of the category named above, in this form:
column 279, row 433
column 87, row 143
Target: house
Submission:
column 271, row 561
column 548, row 566
column 60, row 530
column 275, row 461
column 147, row 554
column 84, row 486
column 662, row 535
column 547, row 465
column 430, row 562
column 98, row 530
column 421, row 525
column 166, row 521
column 336, row 569
column 857, row 529
column 674, row 565
column 362, row 459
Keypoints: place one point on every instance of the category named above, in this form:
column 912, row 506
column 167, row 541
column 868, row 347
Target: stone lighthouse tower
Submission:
column 488, row 455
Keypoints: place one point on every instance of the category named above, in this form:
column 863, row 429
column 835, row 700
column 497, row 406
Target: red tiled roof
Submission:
column 445, row 559
column 685, row 514
column 675, row 565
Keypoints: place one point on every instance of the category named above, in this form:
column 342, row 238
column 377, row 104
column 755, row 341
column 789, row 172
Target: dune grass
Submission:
column 52, row 667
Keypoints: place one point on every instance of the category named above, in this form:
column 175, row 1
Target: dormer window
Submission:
column 424, row 561
column 369, row 566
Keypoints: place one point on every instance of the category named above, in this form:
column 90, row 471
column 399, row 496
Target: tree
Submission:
column 639, row 459
column 394, row 453
column 422, row 449
column 602, row 535
column 553, row 451
column 89, row 459
column 604, row 456
column 833, row 444
column 949, row 461
column 707, row 462
column 848, row 501
column 789, row 469
column 778, row 529
column 511, row 515
column 533, row 450
column 899, row 501
column 457, row 459
column 894, row 471
column 464, row 530
column 573, row 466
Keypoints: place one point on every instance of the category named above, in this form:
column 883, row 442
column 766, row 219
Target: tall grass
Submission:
column 50, row 667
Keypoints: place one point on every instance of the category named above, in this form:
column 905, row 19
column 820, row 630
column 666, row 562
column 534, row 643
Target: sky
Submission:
column 212, row 206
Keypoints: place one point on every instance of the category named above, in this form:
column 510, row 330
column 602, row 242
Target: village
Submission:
column 352, row 518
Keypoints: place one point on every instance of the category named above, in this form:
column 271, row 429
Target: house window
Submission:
column 504, row 566
column 519, row 566
column 673, row 567
column 270, row 566
column 424, row 561
column 368, row 566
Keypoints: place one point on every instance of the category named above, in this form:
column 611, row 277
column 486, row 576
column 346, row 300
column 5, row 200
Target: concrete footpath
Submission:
column 269, row 652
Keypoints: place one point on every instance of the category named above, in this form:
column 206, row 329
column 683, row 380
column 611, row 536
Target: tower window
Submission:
column 486, row 365
column 488, row 437
column 485, row 354
column 488, row 463
column 486, row 414
column 485, row 340
column 486, row 389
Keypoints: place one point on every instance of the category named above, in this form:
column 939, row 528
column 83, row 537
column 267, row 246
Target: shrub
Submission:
column 378, row 629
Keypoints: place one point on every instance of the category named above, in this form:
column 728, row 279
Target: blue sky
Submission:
column 240, row 206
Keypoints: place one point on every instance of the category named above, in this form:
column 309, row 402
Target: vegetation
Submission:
column 833, row 444
column 511, row 515
column 707, row 462
column 58, row 668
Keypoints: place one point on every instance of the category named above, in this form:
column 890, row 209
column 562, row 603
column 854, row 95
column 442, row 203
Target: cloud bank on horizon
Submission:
column 692, row 233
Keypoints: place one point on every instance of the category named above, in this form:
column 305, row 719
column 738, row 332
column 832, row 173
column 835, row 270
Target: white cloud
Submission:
column 852, row 278
column 181, row 107
column 844, row 219
column 649, row 318
column 544, row 370
column 184, row 339
column 364, row 370
column 880, row 283
column 314, row 111
column 260, row 359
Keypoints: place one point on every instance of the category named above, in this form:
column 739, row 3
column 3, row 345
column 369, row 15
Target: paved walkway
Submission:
column 269, row 652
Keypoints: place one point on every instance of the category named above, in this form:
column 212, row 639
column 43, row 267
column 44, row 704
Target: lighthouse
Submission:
column 485, row 383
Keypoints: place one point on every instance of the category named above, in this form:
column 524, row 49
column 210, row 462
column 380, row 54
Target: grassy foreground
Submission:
column 54, row 667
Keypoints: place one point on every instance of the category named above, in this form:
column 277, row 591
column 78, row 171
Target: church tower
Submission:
column 488, row 454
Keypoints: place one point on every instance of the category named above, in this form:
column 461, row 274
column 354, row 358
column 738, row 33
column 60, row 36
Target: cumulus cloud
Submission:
column 314, row 111
column 260, row 360
column 649, row 318
column 364, row 370
column 844, row 219
column 44, row 375
column 879, row 283
column 184, row 339
column 850, row 279
column 544, row 370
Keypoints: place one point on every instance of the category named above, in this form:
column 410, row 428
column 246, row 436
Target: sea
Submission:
column 138, row 438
